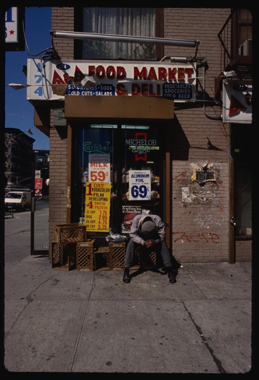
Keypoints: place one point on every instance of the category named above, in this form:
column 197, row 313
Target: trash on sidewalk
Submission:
column 115, row 237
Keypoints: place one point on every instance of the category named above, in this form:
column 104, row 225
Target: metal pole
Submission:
column 120, row 38
column 32, row 202
column 32, row 223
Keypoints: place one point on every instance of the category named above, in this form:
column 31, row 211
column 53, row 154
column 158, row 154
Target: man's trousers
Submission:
column 159, row 248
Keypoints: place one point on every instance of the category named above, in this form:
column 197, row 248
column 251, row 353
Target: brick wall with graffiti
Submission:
column 200, row 211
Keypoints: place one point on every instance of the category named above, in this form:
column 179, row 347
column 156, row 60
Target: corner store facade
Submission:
column 193, row 166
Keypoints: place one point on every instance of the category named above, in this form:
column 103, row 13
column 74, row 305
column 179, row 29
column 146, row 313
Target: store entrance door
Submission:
column 126, row 151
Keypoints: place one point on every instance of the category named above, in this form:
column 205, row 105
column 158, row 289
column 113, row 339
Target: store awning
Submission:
column 118, row 107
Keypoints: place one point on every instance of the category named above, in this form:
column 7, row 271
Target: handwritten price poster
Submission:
column 99, row 168
column 139, row 185
column 97, row 206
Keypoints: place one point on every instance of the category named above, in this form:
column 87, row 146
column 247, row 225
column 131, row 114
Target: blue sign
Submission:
column 101, row 90
column 180, row 91
column 62, row 66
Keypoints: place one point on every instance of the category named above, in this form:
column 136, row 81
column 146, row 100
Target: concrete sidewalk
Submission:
column 81, row 321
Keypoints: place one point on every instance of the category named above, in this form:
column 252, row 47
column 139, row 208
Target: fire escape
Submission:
column 235, row 37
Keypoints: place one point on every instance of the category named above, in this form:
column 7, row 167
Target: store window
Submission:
column 131, row 159
column 121, row 21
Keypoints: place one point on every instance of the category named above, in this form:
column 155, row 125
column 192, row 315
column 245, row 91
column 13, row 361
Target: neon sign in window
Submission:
column 141, row 146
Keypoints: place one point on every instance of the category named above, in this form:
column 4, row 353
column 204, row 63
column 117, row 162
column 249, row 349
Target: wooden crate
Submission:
column 102, row 258
column 85, row 255
column 117, row 254
column 146, row 259
column 63, row 256
column 69, row 233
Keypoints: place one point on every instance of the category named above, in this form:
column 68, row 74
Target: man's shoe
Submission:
column 171, row 275
column 126, row 277
column 172, row 278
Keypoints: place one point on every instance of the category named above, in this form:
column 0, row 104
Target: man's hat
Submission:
column 148, row 227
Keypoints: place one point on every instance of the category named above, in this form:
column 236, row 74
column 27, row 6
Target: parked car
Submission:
column 18, row 200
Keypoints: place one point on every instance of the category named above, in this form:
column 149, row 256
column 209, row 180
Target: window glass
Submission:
column 91, row 142
column 123, row 149
column 121, row 21
column 244, row 26
column 245, row 16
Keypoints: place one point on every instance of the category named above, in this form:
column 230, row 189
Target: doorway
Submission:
column 124, row 148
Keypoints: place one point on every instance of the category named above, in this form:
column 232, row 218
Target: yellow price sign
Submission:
column 97, row 206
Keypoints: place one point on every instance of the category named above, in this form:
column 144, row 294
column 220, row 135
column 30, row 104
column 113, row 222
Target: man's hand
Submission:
column 149, row 243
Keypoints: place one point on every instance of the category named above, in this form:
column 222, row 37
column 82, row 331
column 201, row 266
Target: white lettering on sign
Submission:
column 99, row 168
column 114, row 78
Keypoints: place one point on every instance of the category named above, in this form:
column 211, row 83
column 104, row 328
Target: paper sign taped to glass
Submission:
column 97, row 206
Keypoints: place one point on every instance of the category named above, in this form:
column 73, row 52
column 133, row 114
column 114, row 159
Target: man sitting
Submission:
column 148, row 232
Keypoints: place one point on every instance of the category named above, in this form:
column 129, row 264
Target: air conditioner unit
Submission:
column 245, row 48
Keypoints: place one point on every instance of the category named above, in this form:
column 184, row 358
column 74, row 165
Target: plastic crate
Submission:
column 117, row 254
column 69, row 233
column 63, row 256
column 85, row 255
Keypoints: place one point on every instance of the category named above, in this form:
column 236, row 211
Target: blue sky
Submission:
column 19, row 113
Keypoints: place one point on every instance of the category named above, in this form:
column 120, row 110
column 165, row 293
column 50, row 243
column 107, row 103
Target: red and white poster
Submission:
column 38, row 186
column 99, row 168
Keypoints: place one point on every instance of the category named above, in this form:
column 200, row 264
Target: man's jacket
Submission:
column 135, row 232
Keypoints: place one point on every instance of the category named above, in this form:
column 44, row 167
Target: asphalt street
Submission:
column 91, row 322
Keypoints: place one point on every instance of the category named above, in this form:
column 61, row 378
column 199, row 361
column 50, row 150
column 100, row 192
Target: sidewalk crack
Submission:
column 78, row 336
column 198, row 328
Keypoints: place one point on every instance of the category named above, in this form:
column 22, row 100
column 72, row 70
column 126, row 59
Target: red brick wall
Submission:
column 62, row 19
column 200, row 222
